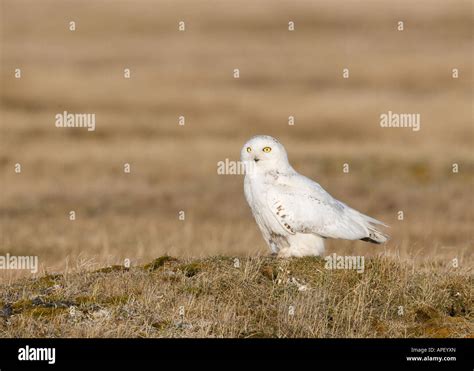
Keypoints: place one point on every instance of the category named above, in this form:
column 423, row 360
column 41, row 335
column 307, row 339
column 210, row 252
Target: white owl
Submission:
column 294, row 213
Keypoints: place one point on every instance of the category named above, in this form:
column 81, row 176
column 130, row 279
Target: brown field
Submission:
column 173, row 168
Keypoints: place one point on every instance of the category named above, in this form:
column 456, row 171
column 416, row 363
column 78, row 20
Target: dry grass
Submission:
column 283, row 73
column 263, row 297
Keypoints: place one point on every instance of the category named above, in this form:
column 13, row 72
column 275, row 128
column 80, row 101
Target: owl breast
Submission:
column 274, row 234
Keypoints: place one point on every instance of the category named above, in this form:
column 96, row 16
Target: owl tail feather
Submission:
column 375, row 236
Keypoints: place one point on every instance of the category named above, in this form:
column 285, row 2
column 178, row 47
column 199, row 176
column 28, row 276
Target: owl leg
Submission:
column 273, row 247
column 285, row 252
column 302, row 244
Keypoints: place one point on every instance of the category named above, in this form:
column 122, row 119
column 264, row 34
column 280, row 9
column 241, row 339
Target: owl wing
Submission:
column 308, row 208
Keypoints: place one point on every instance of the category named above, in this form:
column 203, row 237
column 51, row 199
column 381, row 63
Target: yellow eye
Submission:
column 249, row 149
column 267, row 149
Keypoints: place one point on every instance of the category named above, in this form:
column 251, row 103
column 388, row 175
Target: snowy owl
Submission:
column 294, row 213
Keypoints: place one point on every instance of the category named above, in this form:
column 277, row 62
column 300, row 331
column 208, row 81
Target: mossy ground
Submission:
column 257, row 297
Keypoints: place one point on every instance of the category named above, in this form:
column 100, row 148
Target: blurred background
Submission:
column 190, row 74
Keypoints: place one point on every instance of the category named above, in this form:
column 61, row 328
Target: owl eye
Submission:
column 249, row 149
column 267, row 149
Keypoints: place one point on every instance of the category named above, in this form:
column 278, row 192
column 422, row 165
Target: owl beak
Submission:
column 256, row 159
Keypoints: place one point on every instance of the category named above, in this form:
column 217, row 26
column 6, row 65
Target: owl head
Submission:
column 264, row 153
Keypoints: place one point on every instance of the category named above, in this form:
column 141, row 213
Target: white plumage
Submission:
column 294, row 213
